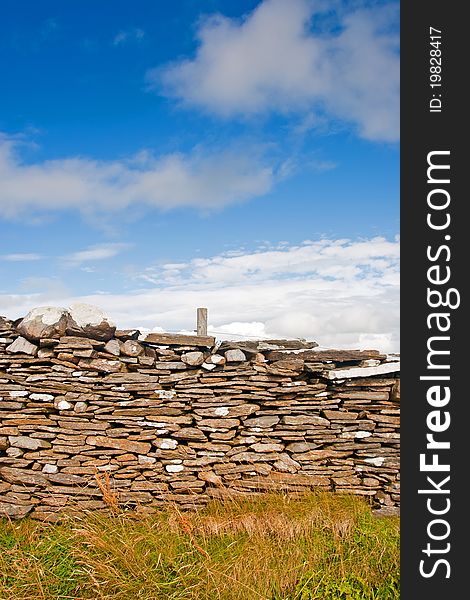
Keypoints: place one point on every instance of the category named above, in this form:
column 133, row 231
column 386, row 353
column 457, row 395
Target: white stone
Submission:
column 166, row 444
column 42, row 397
column 63, row 405
column 377, row 461
column 217, row 359
column 80, row 407
column 208, row 366
column 221, row 411
column 86, row 314
column 151, row 424
column 362, row 434
column 174, row 468
column 165, row 394
column 48, row 468
column 49, row 315
column 17, row 393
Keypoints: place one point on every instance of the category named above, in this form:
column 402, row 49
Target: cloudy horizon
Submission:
column 246, row 159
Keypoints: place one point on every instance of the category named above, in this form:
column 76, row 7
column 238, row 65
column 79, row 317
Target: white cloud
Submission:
column 20, row 257
column 94, row 253
column 200, row 180
column 341, row 293
column 130, row 35
column 273, row 61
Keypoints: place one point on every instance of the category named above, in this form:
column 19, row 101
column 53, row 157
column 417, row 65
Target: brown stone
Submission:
column 85, row 320
column 22, row 476
column 228, row 411
column 194, row 359
column 14, row 511
column 174, row 339
column 327, row 355
column 132, row 348
column 43, row 322
column 305, row 420
column 119, row 444
column 100, row 364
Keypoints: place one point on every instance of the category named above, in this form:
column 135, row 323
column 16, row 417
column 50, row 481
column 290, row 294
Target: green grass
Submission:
column 316, row 546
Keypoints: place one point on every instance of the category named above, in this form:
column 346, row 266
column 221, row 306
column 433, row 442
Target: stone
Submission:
column 86, row 320
column 327, row 355
column 146, row 460
column 113, row 347
column 62, row 404
column 190, row 433
column 41, row 397
column 127, row 334
column 43, row 322
column 194, row 359
column 388, row 367
column 166, row 444
column 118, row 443
column 235, row 356
column 48, row 468
column 267, row 447
column 22, row 476
column 3, row 443
column 208, row 366
column 132, row 348
column 335, row 415
column 298, row 447
column 289, row 364
column 174, row 468
column 176, row 339
column 305, row 420
column 100, row 364
column 210, row 477
column 14, row 511
column 80, row 407
column 241, row 410
column 217, row 359
column 22, row 346
column 286, row 464
column 217, row 424
column 264, row 422
column 23, row 441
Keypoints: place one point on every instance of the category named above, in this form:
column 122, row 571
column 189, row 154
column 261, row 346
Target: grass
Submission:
column 275, row 547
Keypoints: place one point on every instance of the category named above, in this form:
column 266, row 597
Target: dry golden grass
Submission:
column 318, row 546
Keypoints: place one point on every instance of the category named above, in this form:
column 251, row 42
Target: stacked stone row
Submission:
column 186, row 422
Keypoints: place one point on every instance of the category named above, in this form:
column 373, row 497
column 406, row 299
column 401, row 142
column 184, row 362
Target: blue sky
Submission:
column 159, row 156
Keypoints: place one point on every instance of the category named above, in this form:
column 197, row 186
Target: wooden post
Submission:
column 202, row 321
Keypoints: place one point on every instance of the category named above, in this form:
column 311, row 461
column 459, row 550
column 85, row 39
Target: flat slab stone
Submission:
column 389, row 367
column 327, row 355
column 22, row 346
column 176, row 339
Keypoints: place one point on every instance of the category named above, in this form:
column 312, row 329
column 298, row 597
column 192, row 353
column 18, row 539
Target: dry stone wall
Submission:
column 180, row 419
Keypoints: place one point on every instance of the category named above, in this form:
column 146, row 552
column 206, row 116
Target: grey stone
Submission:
column 22, row 346
column 235, row 356
column 113, row 347
column 44, row 322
